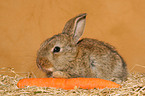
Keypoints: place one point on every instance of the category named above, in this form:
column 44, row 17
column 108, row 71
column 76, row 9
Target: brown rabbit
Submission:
column 64, row 56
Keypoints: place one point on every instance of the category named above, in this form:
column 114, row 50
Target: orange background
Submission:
column 24, row 24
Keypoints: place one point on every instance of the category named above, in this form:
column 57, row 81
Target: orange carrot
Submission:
column 67, row 84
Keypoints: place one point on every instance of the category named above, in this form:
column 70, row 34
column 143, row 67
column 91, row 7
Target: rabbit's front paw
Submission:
column 60, row 74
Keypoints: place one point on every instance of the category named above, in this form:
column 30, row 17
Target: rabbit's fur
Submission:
column 64, row 56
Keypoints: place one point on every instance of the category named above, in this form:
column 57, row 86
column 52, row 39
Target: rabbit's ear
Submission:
column 75, row 27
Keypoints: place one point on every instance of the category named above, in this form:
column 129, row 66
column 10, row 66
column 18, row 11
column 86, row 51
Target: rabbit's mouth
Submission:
column 44, row 64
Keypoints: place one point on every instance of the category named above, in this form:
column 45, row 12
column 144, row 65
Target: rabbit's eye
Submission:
column 56, row 49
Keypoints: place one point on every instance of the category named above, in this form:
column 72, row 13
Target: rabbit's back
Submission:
column 95, row 45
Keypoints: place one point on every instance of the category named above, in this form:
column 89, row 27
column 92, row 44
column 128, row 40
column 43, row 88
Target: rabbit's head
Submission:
column 56, row 52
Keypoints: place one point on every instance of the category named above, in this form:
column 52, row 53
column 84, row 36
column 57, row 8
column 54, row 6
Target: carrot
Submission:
column 67, row 84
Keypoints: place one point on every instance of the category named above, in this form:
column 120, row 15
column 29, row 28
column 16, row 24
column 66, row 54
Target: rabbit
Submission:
column 65, row 56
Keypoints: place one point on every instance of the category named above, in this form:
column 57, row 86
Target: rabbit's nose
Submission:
column 44, row 64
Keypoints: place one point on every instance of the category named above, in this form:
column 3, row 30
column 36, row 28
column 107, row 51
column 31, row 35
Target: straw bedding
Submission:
column 134, row 86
